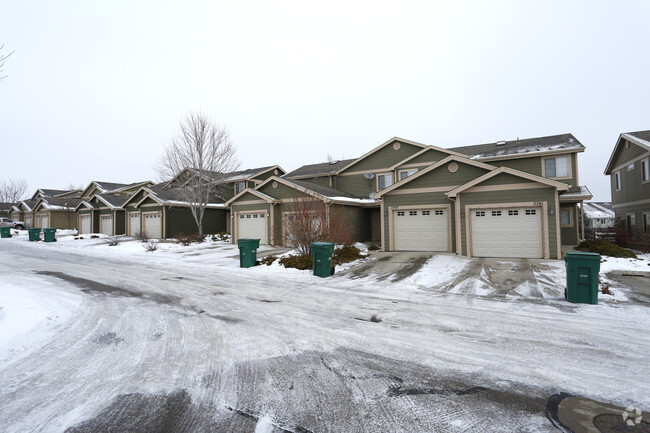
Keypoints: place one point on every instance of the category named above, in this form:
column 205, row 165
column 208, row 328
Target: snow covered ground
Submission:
column 94, row 336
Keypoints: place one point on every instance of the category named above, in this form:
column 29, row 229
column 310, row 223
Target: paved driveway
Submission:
column 493, row 278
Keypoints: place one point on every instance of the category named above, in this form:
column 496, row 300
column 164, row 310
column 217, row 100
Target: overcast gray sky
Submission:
column 95, row 89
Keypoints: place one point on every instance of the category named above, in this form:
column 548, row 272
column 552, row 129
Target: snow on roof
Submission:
column 524, row 146
column 353, row 200
column 576, row 191
column 594, row 210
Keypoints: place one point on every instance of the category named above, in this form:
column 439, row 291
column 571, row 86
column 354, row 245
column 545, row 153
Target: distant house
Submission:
column 598, row 217
column 6, row 209
column 56, row 212
column 629, row 171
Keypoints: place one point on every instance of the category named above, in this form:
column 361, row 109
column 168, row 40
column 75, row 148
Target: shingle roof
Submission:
column 110, row 186
column 323, row 168
column 641, row 135
column 175, row 195
column 47, row 193
column 116, row 200
column 322, row 190
column 576, row 191
column 598, row 210
column 518, row 147
column 61, row 203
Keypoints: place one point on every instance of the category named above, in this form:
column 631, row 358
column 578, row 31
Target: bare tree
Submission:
column 313, row 220
column 12, row 190
column 203, row 148
column 2, row 62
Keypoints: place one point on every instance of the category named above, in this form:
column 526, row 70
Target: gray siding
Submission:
column 632, row 186
column 384, row 158
column 533, row 165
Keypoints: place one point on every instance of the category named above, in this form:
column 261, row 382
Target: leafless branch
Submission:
column 204, row 153
column 12, row 190
column 2, row 62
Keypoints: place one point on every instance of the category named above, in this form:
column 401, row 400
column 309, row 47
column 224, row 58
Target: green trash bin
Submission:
column 5, row 232
column 582, row 277
column 321, row 253
column 49, row 235
column 34, row 234
column 248, row 252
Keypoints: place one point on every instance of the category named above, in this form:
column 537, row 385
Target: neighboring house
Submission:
column 101, row 207
column 504, row 199
column 629, row 171
column 6, row 209
column 51, row 193
column 599, row 217
column 159, row 211
column 262, row 212
column 24, row 211
column 228, row 185
column 56, row 212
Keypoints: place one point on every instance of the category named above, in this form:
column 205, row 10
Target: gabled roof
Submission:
column 401, row 140
column 163, row 195
column 425, row 150
column 318, row 191
column 511, row 171
column 522, row 148
column 640, row 138
column 321, row 169
column 47, row 193
column 114, row 201
column 598, row 210
column 85, row 203
column 28, row 205
column 433, row 166
column 253, row 191
column 58, row 204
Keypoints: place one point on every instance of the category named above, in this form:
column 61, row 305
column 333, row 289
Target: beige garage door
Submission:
column 153, row 225
column 134, row 224
column 84, row 224
column 106, row 224
column 421, row 230
column 253, row 226
column 44, row 221
column 507, row 232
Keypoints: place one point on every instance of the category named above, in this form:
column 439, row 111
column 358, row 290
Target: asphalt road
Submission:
column 171, row 348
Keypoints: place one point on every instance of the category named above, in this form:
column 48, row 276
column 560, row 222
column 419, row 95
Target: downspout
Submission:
column 582, row 219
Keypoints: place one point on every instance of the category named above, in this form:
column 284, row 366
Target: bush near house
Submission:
column 186, row 240
column 604, row 248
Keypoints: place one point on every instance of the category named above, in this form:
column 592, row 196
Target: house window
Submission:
column 384, row 181
column 646, row 223
column 406, row 173
column 556, row 167
column 617, row 180
column 239, row 187
column 645, row 170
column 630, row 167
column 565, row 217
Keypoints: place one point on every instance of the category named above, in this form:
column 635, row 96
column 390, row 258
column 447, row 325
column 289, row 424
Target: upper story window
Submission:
column 617, row 180
column 384, row 181
column 406, row 173
column 645, row 170
column 630, row 167
column 239, row 187
column 556, row 167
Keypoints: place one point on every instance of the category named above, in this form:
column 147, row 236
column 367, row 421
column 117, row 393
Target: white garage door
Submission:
column 153, row 225
column 84, row 224
column 45, row 221
column 253, row 226
column 134, row 224
column 106, row 224
column 515, row 232
column 421, row 230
